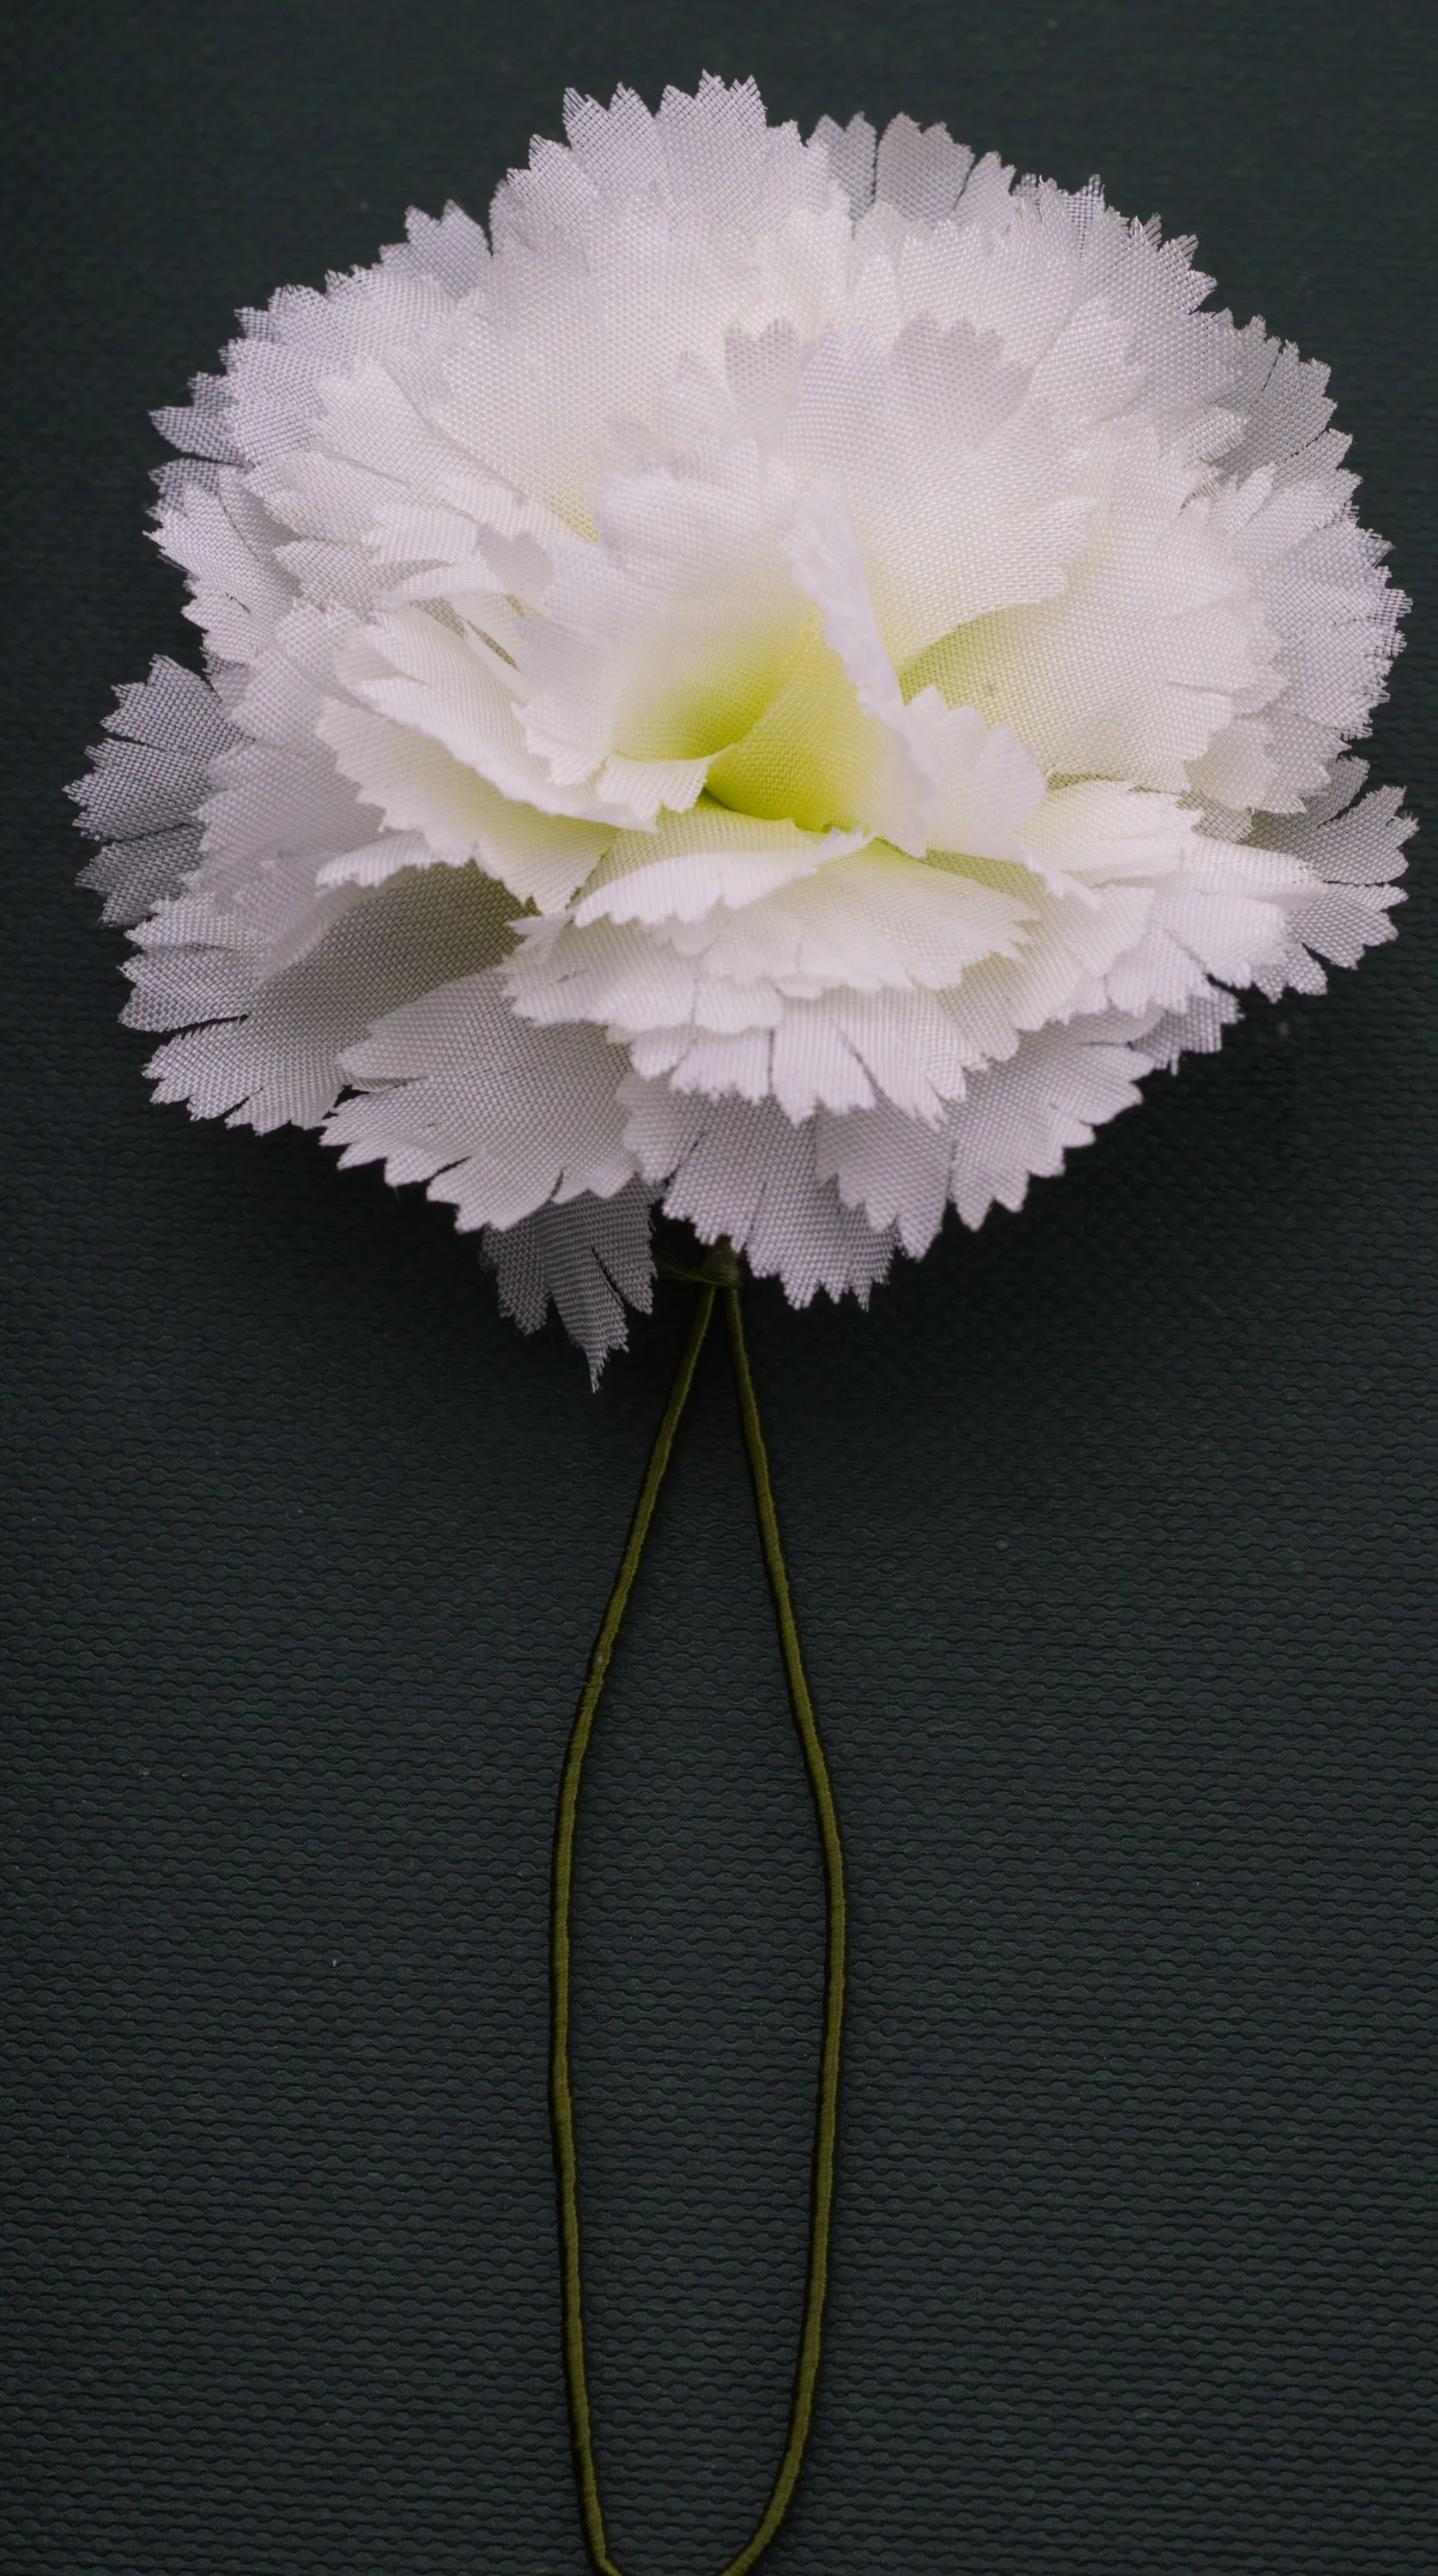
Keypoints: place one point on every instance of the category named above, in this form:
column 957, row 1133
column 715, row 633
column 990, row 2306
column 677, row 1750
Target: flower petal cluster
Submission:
column 779, row 683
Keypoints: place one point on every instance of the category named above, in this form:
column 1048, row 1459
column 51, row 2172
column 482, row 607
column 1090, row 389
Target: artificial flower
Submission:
column 777, row 685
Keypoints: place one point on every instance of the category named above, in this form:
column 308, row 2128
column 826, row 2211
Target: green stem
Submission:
column 720, row 1276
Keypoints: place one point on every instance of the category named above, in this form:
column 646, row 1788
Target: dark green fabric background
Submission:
column 1112, row 1533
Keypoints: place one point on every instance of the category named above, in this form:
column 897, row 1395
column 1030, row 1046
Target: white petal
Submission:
column 896, row 780
column 749, row 1174
column 141, row 795
column 410, row 667
column 498, row 1116
column 420, row 786
column 663, row 643
column 894, row 1168
column 277, row 1059
column 1095, row 832
column 1019, row 1120
column 209, row 523
column 706, row 857
column 919, row 170
column 988, row 784
column 1154, row 644
column 372, row 862
column 589, row 1256
column 863, row 922
column 611, row 973
column 964, row 496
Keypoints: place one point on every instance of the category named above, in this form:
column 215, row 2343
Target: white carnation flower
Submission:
column 779, row 684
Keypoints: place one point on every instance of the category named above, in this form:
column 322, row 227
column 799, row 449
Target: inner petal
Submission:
column 690, row 691
column 809, row 759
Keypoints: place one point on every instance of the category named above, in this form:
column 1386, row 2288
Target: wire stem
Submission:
column 720, row 1277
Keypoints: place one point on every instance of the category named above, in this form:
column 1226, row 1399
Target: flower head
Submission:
column 780, row 683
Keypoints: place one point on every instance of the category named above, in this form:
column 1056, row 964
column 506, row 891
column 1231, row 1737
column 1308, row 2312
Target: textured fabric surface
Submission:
column 1111, row 1530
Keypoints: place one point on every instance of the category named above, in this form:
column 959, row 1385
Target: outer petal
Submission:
column 141, row 796
column 1354, row 851
column 893, row 1169
column 863, row 923
column 1020, row 1119
column 212, row 526
column 748, row 1173
column 838, row 963
column 275, row 1056
column 590, row 1256
column 496, row 1115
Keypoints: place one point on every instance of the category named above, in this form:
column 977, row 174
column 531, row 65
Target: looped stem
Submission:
column 719, row 1276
